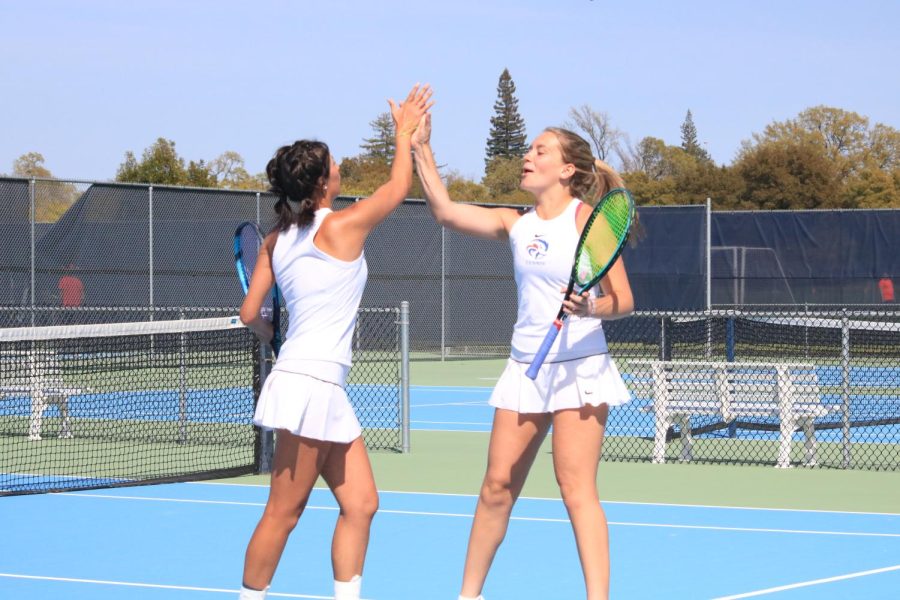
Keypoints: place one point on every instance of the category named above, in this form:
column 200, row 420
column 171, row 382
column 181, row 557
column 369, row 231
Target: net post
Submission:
column 443, row 291
column 404, row 376
column 729, row 356
column 845, row 390
column 182, row 385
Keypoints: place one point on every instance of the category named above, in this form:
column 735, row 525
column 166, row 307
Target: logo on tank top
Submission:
column 537, row 249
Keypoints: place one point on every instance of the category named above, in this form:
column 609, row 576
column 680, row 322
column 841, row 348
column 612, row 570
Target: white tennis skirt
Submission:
column 307, row 407
column 593, row 380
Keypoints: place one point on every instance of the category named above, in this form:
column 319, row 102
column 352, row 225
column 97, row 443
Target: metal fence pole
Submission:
column 443, row 289
column 404, row 376
column 257, row 208
column 33, row 219
column 708, row 253
column 845, row 390
column 150, row 220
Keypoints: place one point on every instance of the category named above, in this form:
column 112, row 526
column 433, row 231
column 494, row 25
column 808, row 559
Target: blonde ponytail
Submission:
column 606, row 179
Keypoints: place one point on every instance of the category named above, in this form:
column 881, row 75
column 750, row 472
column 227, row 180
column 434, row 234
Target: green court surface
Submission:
column 454, row 462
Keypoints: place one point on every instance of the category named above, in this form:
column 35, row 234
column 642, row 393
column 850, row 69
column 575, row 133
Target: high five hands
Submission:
column 410, row 113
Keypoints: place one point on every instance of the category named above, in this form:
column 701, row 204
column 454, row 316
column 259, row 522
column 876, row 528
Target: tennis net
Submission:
column 85, row 406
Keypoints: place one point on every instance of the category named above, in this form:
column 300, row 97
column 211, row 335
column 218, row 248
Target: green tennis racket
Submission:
column 601, row 242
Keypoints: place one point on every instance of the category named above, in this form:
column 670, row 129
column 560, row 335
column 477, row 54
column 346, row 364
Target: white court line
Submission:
column 513, row 518
column 414, row 421
column 626, row 503
column 465, row 389
column 153, row 585
column 794, row 586
column 475, row 403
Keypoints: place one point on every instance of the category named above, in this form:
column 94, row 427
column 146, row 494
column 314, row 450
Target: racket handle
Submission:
column 544, row 349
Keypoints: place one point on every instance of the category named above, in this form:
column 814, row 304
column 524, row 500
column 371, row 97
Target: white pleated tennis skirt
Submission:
column 307, row 407
column 593, row 380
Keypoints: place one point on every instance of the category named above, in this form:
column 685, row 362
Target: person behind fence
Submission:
column 886, row 288
column 316, row 256
column 71, row 288
column 579, row 381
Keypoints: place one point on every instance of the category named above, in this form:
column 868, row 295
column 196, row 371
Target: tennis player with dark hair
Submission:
column 578, row 381
column 316, row 257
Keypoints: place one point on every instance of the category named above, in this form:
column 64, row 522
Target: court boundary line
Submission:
column 801, row 584
column 512, row 518
column 624, row 502
column 153, row 585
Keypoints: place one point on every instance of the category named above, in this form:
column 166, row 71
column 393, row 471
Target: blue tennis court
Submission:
column 186, row 541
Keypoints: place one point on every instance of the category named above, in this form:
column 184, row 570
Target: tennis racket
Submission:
column 601, row 242
column 248, row 239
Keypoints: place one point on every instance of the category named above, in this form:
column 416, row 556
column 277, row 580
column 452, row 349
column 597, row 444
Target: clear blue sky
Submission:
column 85, row 81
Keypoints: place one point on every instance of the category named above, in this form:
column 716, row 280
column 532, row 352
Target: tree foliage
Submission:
column 787, row 174
column 846, row 138
column 229, row 172
column 507, row 137
column 31, row 164
column 161, row 164
column 597, row 126
column 382, row 144
column 689, row 141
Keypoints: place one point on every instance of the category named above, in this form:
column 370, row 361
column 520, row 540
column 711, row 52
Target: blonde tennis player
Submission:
column 316, row 256
column 579, row 380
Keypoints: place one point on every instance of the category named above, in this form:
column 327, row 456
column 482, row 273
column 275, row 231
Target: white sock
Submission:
column 348, row 590
column 461, row 597
column 248, row 594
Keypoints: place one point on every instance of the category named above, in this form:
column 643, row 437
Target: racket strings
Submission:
column 603, row 238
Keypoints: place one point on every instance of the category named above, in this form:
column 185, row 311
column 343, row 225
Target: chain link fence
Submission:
column 783, row 388
column 137, row 250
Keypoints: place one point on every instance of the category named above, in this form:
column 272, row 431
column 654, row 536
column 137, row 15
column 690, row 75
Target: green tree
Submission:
column 657, row 160
column 883, row 144
column 31, row 164
column 502, row 178
column 789, row 175
column 507, row 137
column 382, row 144
column 362, row 175
column 843, row 135
column 161, row 164
column 872, row 187
column 462, row 189
column 689, row 142
column 197, row 174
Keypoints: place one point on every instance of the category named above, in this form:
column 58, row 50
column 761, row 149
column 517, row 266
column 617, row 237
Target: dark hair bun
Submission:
column 297, row 174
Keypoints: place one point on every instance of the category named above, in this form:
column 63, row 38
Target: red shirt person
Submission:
column 71, row 289
column 887, row 289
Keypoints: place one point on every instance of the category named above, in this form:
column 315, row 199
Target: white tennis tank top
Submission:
column 543, row 251
column 322, row 295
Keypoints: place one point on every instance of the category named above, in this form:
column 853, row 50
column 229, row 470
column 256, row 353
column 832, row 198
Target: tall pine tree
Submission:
column 381, row 145
column 689, row 141
column 507, row 136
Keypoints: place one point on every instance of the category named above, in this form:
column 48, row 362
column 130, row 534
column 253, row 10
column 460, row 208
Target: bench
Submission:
column 40, row 378
column 788, row 392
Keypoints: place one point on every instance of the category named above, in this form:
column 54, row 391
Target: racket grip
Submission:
column 544, row 349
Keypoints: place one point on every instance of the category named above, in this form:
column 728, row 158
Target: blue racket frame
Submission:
column 245, row 272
